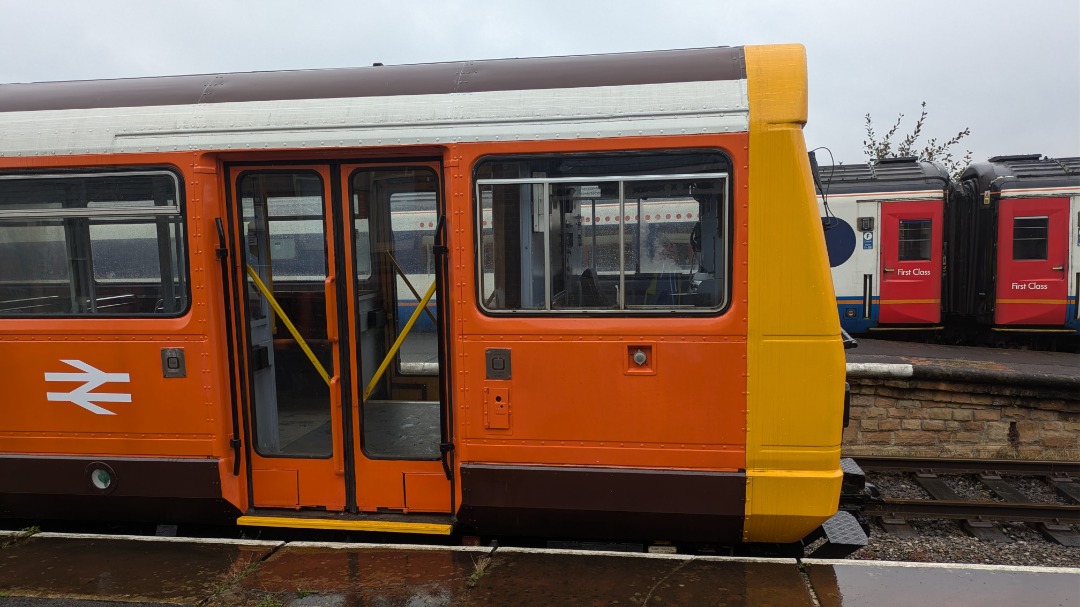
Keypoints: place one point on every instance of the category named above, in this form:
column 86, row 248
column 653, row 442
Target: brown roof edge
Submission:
column 652, row 67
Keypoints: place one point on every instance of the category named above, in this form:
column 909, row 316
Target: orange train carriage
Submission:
column 625, row 328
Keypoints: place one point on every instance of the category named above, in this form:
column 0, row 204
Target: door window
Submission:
column 1030, row 238
column 915, row 242
column 285, row 247
column 410, row 197
column 398, row 208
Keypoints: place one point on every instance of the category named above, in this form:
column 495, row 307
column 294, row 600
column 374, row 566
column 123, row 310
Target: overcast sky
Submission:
column 1009, row 70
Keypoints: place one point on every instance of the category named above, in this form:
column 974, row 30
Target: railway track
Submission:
column 996, row 480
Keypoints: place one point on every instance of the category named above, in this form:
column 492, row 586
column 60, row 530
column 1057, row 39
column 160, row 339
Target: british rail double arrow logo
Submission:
column 91, row 377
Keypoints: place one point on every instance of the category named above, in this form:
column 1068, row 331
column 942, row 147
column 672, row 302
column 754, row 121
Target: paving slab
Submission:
column 153, row 570
column 881, row 584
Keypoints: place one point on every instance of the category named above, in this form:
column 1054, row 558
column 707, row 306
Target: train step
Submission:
column 854, row 478
column 843, row 534
column 846, row 531
column 427, row 524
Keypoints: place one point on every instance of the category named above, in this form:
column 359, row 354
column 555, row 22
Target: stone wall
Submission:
column 933, row 418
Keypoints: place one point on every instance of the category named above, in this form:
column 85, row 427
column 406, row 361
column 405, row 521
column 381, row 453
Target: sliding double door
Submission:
column 340, row 335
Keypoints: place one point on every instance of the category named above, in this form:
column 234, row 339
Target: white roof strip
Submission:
column 579, row 113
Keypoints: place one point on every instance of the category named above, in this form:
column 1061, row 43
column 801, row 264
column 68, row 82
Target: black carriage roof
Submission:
column 885, row 175
column 1027, row 171
column 653, row 67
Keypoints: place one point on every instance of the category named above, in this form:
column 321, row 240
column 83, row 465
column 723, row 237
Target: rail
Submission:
column 978, row 510
column 969, row 466
column 976, row 516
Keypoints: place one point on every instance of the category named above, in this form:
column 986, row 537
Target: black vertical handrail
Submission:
column 446, row 444
column 223, row 259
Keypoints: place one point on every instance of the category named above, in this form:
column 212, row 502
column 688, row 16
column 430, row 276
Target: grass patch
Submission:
column 237, row 571
column 21, row 536
column 480, row 567
column 269, row 601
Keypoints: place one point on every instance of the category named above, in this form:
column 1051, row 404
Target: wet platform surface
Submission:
column 50, row 570
column 144, row 569
column 840, row 584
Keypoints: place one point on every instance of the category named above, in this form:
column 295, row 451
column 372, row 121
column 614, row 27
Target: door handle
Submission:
column 337, row 426
column 330, row 294
column 1058, row 268
column 889, row 270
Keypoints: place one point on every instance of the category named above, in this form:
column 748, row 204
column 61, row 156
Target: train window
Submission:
column 362, row 235
column 109, row 244
column 412, row 219
column 1030, row 238
column 915, row 239
column 630, row 233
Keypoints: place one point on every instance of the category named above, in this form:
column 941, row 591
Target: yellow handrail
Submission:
column 288, row 323
column 401, row 338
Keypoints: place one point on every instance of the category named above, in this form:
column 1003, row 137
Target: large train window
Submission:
column 100, row 244
column 1030, row 238
column 628, row 233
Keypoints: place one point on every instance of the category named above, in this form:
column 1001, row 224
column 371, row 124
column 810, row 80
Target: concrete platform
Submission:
column 51, row 570
column 876, row 357
column 885, row 584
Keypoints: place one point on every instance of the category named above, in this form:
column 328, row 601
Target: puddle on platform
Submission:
column 124, row 570
column 301, row 577
column 559, row 579
column 310, row 577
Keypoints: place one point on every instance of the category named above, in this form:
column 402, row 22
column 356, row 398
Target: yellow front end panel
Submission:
column 786, row 506
column 795, row 356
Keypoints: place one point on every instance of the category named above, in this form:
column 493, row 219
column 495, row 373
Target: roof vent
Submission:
column 1014, row 158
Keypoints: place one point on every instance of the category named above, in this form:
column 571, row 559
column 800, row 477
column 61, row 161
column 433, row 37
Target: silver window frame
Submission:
column 176, row 209
column 546, row 182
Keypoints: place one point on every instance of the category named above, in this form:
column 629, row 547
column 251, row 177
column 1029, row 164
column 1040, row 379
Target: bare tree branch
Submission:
column 877, row 148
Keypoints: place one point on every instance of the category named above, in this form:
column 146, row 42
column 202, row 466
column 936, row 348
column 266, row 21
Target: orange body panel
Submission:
column 578, row 406
column 164, row 417
column 427, row 492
